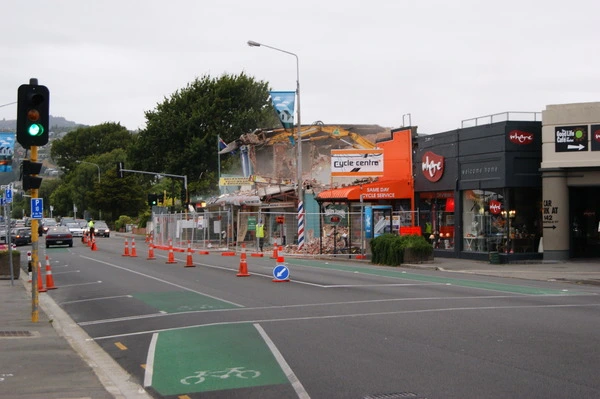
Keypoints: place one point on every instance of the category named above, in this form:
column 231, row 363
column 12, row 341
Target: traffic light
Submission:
column 152, row 200
column 120, row 166
column 183, row 196
column 29, row 169
column 33, row 114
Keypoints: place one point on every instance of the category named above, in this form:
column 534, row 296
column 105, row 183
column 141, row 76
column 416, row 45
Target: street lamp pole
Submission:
column 98, row 166
column 300, row 185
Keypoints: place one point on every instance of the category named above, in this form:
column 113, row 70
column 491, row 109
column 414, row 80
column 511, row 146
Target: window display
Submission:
column 503, row 220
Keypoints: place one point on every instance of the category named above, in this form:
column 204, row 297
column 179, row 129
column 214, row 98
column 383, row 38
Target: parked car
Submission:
column 59, row 235
column 21, row 236
column 75, row 229
column 101, row 229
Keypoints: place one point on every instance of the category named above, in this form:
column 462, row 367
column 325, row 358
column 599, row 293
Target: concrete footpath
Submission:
column 52, row 358
column 55, row 359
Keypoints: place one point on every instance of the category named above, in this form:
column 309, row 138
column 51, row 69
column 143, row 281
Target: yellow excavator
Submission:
column 314, row 132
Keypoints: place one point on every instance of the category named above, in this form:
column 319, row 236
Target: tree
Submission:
column 181, row 133
column 84, row 142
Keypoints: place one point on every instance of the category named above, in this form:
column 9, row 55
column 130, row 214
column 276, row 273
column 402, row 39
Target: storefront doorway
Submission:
column 584, row 222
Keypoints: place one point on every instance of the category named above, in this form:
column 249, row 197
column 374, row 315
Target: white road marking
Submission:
column 289, row 373
column 399, row 312
column 149, row 373
column 102, row 298
column 162, row 281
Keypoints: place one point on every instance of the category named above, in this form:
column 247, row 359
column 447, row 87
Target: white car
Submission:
column 75, row 229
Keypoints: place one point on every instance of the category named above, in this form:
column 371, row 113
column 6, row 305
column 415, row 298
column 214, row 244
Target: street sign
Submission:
column 9, row 195
column 281, row 273
column 37, row 208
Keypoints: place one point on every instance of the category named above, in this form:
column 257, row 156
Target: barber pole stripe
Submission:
column 300, row 225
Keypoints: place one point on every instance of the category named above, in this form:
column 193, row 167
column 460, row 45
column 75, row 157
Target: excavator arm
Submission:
column 314, row 132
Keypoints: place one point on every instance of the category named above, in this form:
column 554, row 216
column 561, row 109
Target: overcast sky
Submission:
column 360, row 62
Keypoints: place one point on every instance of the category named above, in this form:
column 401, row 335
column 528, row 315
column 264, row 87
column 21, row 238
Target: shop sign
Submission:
column 520, row 137
column 432, row 166
column 571, row 138
column 234, row 181
column 495, row 207
column 356, row 162
column 595, row 138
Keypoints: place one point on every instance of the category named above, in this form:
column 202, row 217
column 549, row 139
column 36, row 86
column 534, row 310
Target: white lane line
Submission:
column 344, row 316
column 300, row 305
column 289, row 373
column 162, row 281
column 80, row 284
column 70, row 271
column 102, row 298
column 379, row 285
column 149, row 373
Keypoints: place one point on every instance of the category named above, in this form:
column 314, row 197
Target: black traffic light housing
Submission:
column 33, row 114
column 152, row 200
column 30, row 170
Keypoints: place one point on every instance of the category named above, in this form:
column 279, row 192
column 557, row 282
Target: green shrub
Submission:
column 388, row 249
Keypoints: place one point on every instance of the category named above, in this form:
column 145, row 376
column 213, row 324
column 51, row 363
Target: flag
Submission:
column 222, row 144
column 284, row 102
column 225, row 148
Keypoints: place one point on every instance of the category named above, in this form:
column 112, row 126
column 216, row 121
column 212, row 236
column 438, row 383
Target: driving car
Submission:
column 47, row 223
column 59, row 235
column 101, row 229
column 21, row 236
column 75, row 229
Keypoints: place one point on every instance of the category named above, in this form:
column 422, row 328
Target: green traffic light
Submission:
column 35, row 129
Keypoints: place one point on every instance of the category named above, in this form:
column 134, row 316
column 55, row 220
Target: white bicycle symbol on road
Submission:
column 237, row 372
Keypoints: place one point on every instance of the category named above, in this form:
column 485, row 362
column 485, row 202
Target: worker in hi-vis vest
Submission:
column 260, row 234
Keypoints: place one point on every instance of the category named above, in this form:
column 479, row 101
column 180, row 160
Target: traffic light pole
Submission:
column 35, row 300
column 161, row 174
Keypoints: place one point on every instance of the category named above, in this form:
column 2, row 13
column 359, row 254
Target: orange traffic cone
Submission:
column 280, row 259
column 171, row 258
column 275, row 253
column 189, row 262
column 89, row 241
column 84, row 238
column 151, row 251
column 49, row 279
column 126, row 253
column 40, row 284
column 243, row 270
column 133, row 252
column 94, row 247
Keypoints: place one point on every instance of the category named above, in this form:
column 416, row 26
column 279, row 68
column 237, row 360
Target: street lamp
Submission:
column 96, row 165
column 300, row 188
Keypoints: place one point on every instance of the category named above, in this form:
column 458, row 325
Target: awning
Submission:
column 379, row 190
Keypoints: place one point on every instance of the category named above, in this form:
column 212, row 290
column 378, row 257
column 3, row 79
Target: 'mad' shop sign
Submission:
column 357, row 162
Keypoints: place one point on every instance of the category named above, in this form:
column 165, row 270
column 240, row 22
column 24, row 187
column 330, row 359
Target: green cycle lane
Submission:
column 209, row 358
column 400, row 274
column 213, row 358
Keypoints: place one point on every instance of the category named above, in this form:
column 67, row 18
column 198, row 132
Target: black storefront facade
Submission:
column 479, row 191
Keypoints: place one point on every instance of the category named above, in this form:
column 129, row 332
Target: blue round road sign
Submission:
column 281, row 272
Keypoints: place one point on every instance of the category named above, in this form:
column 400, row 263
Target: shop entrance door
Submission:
column 584, row 219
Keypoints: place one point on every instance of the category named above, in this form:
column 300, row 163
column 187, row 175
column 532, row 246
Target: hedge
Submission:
column 388, row 249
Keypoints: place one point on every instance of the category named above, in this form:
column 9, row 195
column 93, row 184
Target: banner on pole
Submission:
column 7, row 150
column 284, row 102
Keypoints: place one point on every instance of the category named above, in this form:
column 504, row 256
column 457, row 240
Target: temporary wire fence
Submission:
column 329, row 233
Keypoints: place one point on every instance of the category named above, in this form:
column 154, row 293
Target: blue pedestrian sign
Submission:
column 9, row 195
column 37, row 208
column 281, row 273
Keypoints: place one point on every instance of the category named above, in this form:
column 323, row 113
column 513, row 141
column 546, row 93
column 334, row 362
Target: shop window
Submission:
column 503, row 220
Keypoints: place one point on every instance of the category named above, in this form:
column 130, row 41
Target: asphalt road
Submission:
column 335, row 330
